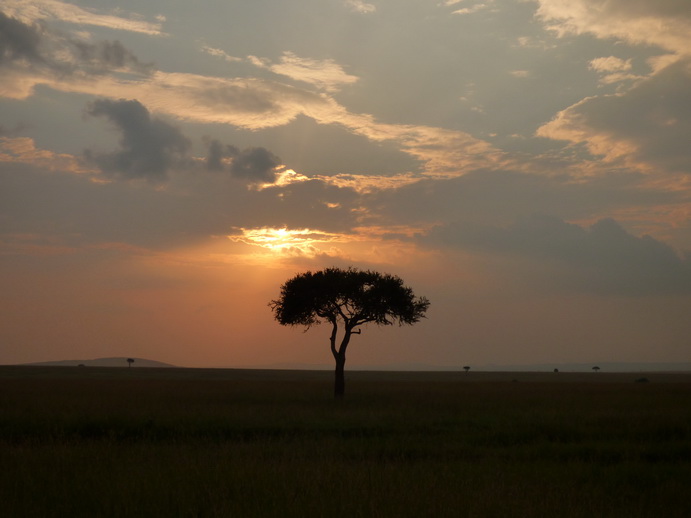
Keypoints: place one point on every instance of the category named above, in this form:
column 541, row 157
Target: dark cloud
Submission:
column 149, row 146
column 107, row 55
column 217, row 152
column 603, row 258
column 18, row 41
column 253, row 164
column 53, row 52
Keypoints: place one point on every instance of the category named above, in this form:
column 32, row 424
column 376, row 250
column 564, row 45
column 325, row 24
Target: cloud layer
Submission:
column 602, row 258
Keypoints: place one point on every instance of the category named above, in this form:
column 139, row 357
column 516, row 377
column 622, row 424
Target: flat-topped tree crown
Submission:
column 347, row 297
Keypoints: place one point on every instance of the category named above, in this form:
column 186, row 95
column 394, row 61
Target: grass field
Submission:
column 99, row 442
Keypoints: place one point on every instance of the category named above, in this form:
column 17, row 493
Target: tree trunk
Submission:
column 340, row 357
column 339, row 382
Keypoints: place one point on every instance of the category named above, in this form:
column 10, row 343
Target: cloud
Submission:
column 219, row 53
column 107, row 69
column 645, row 127
column 23, row 150
column 471, row 10
column 249, row 103
column 25, row 57
column 80, row 214
column 613, row 69
column 359, row 6
column 253, row 103
column 479, row 6
column 663, row 23
column 497, row 198
column 33, row 54
column 325, row 74
column 292, row 242
column 149, row 147
column 603, row 258
column 217, row 153
column 255, row 164
column 610, row 64
column 310, row 204
column 105, row 56
column 18, row 41
column 37, row 10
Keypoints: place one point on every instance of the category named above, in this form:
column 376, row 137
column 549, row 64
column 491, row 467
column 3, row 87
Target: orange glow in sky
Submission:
column 166, row 166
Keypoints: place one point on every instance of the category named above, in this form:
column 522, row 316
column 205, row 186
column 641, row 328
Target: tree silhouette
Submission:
column 466, row 368
column 347, row 298
column 596, row 368
column 130, row 361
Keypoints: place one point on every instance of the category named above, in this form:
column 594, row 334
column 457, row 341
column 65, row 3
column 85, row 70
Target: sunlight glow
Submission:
column 301, row 241
column 284, row 177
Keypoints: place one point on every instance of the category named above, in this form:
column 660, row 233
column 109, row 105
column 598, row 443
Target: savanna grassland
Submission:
column 119, row 442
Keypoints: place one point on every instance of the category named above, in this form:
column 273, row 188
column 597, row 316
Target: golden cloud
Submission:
column 663, row 23
column 37, row 10
column 24, row 150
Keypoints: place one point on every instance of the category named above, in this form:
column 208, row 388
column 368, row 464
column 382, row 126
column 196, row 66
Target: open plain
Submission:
column 223, row 442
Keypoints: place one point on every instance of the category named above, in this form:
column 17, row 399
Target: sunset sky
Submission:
column 524, row 164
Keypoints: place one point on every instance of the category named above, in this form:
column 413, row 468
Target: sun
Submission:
column 305, row 241
column 277, row 238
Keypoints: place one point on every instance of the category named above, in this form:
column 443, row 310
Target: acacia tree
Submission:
column 346, row 299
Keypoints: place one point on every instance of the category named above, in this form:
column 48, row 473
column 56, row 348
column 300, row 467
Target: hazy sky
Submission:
column 525, row 164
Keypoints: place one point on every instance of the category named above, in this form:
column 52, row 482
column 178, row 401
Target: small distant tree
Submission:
column 346, row 299
column 596, row 368
column 130, row 361
column 466, row 368
column 556, row 370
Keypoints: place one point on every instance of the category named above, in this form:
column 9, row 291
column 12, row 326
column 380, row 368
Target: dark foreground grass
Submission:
column 187, row 443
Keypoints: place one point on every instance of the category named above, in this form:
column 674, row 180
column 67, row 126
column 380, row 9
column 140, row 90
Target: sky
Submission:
column 524, row 164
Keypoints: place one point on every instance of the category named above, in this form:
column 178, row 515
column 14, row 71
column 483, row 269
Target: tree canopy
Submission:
column 347, row 297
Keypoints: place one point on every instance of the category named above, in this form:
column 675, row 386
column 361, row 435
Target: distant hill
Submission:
column 103, row 362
